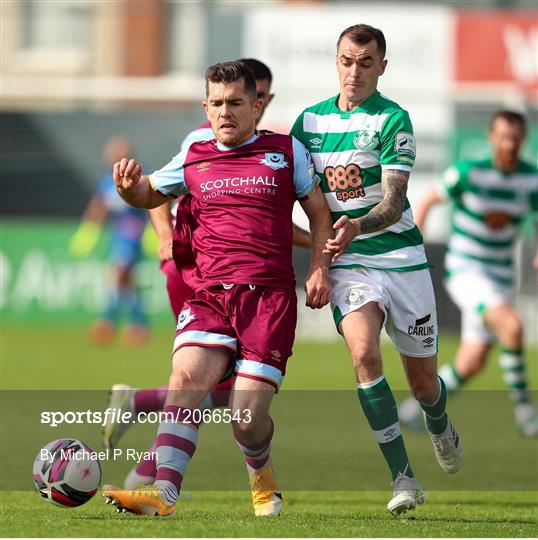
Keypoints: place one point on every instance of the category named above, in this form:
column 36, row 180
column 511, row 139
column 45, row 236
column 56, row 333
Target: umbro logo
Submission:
column 428, row 342
column 202, row 167
column 316, row 142
column 389, row 433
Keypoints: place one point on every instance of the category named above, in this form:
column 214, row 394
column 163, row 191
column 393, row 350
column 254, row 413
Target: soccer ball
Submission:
column 67, row 472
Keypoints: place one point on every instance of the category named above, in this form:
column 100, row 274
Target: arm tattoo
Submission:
column 390, row 209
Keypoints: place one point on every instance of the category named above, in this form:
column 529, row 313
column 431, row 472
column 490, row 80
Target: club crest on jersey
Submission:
column 354, row 297
column 275, row 160
column 366, row 140
column 185, row 318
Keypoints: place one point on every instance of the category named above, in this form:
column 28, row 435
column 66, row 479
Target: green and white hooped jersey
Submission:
column 489, row 206
column 350, row 149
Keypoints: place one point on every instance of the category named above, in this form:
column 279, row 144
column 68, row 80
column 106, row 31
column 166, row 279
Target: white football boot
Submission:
column 448, row 448
column 406, row 494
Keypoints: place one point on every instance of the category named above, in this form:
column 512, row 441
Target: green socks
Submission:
column 436, row 418
column 513, row 368
column 380, row 410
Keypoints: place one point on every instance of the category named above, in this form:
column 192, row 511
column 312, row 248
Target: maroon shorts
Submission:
column 178, row 290
column 257, row 324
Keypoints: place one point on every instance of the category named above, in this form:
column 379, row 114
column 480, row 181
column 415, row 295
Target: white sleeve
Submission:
column 305, row 178
column 170, row 179
column 197, row 135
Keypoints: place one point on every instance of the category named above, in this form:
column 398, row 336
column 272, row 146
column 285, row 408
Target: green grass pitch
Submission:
column 60, row 358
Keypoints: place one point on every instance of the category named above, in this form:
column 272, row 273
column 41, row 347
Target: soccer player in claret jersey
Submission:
column 243, row 311
column 363, row 149
column 125, row 397
column 163, row 217
column 491, row 198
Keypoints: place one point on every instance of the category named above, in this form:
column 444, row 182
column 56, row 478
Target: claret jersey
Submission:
column 241, row 202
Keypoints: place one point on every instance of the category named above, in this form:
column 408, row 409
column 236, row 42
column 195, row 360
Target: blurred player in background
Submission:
column 363, row 149
column 491, row 198
column 163, row 219
column 243, row 311
column 125, row 251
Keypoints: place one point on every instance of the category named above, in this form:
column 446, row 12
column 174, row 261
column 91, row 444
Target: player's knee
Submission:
column 512, row 332
column 365, row 355
column 425, row 388
column 515, row 330
column 246, row 431
column 183, row 379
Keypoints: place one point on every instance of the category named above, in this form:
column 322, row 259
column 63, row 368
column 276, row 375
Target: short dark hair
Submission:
column 228, row 72
column 512, row 117
column 261, row 71
column 361, row 34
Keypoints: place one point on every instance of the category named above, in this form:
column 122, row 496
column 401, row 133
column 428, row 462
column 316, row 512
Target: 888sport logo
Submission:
column 346, row 182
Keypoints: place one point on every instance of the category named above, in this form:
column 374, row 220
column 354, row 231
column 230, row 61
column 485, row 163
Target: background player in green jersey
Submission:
column 363, row 149
column 491, row 198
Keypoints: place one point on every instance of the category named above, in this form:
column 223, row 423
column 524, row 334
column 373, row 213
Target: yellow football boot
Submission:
column 266, row 497
column 146, row 501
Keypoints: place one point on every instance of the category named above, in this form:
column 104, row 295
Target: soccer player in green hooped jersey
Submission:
column 363, row 149
column 491, row 198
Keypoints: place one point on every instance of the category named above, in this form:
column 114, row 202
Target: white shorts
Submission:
column 473, row 293
column 406, row 298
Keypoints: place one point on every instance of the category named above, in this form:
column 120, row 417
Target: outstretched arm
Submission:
column 317, row 286
column 134, row 188
column 383, row 215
